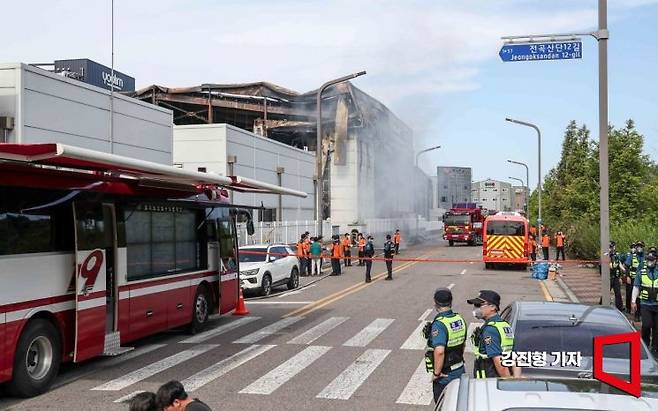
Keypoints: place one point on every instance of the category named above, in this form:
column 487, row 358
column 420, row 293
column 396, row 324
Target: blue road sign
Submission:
column 557, row 50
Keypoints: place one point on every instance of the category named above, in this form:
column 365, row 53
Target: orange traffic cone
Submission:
column 241, row 309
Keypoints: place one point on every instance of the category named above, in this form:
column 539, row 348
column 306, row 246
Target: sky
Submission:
column 434, row 63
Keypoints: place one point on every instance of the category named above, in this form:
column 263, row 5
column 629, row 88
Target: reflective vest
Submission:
column 635, row 263
column 396, row 238
column 648, row 287
column 454, row 349
column 362, row 244
column 545, row 241
column 484, row 366
column 346, row 244
column 559, row 240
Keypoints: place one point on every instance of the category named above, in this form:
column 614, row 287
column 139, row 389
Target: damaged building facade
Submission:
column 369, row 176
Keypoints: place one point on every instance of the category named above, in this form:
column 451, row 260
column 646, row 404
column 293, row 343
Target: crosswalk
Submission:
column 300, row 348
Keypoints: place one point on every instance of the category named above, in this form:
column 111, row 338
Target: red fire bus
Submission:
column 98, row 250
column 505, row 239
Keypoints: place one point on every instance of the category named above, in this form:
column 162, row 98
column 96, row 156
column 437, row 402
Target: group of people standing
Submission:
column 637, row 271
column 541, row 239
column 446, row 340
column 311, row 253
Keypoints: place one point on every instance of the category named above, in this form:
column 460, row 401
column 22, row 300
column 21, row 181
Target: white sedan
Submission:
column 269, row 266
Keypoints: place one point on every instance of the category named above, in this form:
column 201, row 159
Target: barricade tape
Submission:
column 419, row 260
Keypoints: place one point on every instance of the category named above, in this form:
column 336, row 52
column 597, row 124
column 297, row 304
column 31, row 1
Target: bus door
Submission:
column 228, row 263
column 95, row 282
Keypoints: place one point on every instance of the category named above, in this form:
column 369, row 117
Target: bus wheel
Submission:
column 200, row 310
column 451, row 243
column 37, row 359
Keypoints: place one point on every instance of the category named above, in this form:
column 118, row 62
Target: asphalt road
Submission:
column 338, row 344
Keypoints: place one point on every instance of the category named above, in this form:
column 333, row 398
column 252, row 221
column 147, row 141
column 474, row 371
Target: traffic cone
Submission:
column 241, row 309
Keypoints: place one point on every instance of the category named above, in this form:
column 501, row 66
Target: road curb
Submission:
column 567, row 290
column 267, row 297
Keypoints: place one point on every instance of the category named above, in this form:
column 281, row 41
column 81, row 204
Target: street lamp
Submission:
column 318, row 146
column 526, row 193
column 425, row 151
column 527, row 183
column 523, row 123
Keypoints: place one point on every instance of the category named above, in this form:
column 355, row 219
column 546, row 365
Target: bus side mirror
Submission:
column 250, row 227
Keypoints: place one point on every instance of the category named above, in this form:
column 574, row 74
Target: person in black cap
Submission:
column 446, row 339
column 369, row 252
column 493, row 338
column 389, row 251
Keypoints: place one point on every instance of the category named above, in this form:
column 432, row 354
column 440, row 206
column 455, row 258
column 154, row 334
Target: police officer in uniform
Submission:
column 646, row 288
column 369, row 252
column 632, row 264
column 389, row 252
column 492, row 339
column 615, row 275
column 446, row 339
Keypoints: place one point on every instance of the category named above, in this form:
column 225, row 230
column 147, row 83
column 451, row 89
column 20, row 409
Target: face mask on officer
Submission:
column 477, row 313
column 651, row 263
column 640, row 250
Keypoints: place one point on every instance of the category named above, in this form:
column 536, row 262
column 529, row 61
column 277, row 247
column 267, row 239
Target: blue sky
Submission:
column 433, row 62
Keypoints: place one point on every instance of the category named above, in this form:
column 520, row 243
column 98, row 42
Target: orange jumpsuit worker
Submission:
column 307, row 252
column 362, row 246
column 302, row 255
column 559, row 244
column 396, row 240
column 545, row 244
column 347, row 250
column 336, row 254
column 532, row 247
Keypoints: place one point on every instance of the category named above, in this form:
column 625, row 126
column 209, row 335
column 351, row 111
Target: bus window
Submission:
column 457, row 220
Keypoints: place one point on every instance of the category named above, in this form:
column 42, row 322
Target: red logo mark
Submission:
column 90, row 273
column 631, row 387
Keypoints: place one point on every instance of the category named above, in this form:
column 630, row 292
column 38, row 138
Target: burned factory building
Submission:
column 367, row 152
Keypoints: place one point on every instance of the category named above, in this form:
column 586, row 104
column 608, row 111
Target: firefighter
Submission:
column 492, row 339
column 632, row 264
column 645, row 287
column 389, row 252
column 347, row 250
column 336, row 254
column 545, row 244
column 397, row 237
column 559, row 245
column 532, row 247
column 301, row 255
column 362, row 244
column 369, row 252
column 446, row 339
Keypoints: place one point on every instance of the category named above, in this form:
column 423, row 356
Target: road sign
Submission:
column 554, row 50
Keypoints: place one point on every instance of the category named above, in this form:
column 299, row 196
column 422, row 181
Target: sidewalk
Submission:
column 584, row 282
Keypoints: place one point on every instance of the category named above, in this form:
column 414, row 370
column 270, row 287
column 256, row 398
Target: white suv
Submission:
column 270, row 266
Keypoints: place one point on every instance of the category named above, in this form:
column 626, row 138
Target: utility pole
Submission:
column 319, row 192
column 603, row 148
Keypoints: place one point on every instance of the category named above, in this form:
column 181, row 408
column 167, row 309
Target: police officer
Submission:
column 632, row 264
column 646, row 288
column 389, row 251
column 615, row 275
column 493, row 338
column 446, row 339
column 369, row 252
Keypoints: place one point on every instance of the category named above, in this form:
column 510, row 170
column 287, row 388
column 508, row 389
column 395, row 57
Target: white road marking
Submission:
column 280, row 302
column 154, row 368
column 415, row 340
column 427, row 312
column 343, row 386
column 318, row 331
column 372, row 330
column 269, row 382
column 293, row 292
column 206, row 335
column 419, row 388
column 463, row 271
column 128, row 397
column 216, row 370
column 450, row 286
column 269, row 330
column 469, row 332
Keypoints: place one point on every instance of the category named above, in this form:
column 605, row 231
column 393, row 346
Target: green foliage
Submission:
column 570, row 192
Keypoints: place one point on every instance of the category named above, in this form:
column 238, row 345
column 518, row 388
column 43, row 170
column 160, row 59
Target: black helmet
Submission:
column 640, row 244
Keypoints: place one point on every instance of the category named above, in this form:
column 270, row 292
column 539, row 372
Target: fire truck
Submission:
column 98, row 250
column 463, row 224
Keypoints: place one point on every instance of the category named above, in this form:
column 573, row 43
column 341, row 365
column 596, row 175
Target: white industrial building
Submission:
column 229, row 150
column 37, row 106
column 492, row 194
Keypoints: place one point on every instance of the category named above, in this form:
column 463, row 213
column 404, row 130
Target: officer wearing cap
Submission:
column 634, row 262
column 493, row 338
column 646, row 288
column 446, row 339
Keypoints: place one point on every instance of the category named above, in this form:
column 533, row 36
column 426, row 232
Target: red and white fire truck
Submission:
column 98, row 250
column 463, row 224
